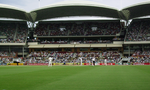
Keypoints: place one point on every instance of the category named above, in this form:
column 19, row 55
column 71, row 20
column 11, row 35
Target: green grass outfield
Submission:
column 75, row 78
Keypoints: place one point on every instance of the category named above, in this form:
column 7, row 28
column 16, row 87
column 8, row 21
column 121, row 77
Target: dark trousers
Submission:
column 94, row 63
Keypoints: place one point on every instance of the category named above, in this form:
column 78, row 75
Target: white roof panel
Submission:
column 7, row 11
column 73, row 8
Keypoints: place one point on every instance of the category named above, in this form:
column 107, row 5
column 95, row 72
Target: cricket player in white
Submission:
column 81, row 60
column 105, row 61
column 93, row 61
column 50, row 61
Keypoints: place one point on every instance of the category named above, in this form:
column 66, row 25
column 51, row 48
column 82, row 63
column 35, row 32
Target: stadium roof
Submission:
column 137, row 10
column 7, row 11
column 77, row 8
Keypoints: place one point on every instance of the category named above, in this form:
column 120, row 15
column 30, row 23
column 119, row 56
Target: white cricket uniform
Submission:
column 93, row 61
column 81, row 61
column 50, row 61
column 105, row 61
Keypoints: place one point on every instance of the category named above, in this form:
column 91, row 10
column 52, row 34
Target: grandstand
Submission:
column 28, row 45
column 68, row 40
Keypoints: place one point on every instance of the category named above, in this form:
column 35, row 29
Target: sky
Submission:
column 29, row 5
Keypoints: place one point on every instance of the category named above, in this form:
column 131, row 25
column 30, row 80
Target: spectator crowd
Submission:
column 138, row 31
column 13, row 33
column 78, row 29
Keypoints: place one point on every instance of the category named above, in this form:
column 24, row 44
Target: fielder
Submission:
column 105, row 61
column 93, row 61
column 81, row 60
column 50, row 61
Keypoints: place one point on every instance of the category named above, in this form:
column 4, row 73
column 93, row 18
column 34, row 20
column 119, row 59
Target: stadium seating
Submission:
column 112, row 56
column 7, row 54
column 87, row 32
column 54, row 42
column 103, row 28
column 138, row 31
column 7, row 30
column 78, row 29
column 114, row 28
column 143, row 32
column 41, row 30
column 59, row 29
column 141, row 56
column 139, row 53
column 6, row 57
column 97, row 41
column 21, row 34
column 15, row 33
